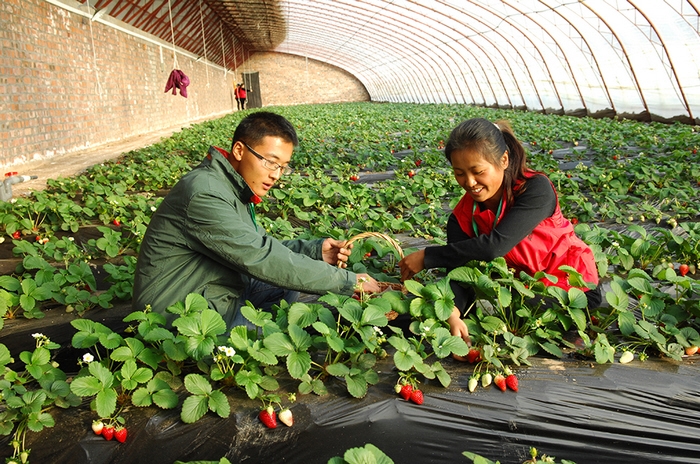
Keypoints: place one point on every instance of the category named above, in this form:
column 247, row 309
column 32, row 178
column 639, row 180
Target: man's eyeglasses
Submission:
column 268, row 164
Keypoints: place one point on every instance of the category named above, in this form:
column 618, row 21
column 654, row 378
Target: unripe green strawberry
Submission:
column 473, row 382
column 626, row 357
column 486, row 379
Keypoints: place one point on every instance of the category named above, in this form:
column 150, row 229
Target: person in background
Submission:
column 238, row 100
column 242, row 95
column 204, row 237
column 508, row 211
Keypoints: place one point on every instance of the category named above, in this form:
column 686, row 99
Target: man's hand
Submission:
column 336, row 252
column 366, row 284
column 412, row 264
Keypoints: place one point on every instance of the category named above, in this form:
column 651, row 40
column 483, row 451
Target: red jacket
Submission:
column 553, row 243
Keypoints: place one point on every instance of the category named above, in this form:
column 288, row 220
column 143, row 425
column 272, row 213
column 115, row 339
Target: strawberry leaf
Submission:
column 193, row 408
column 218, row 403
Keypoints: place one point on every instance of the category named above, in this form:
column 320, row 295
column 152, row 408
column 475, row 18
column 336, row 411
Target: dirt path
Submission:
column 73, row 163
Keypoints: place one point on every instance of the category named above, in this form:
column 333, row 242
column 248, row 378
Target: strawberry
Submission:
column 108, row 432
column 574, row 221
column 411, row 173
column 627, row 356
column 417, row 396
column 473, row 356
column 419, row 162
column 512, row 382
column 406, row 391
column 97, row 427
column 285, row 416
column 683, row 269
column 473, row 382
column 367, row 255
column 691, row 350
column 500, row 381
column 354, row 178
column 120, row 434
column 486, row 379
column 268, row 417
column 116, row 222
column 16, row 234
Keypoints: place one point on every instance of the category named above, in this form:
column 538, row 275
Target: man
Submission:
column 235, row 93
column 204, row 237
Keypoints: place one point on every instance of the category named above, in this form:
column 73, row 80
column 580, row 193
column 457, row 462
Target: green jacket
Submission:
column 204, row 239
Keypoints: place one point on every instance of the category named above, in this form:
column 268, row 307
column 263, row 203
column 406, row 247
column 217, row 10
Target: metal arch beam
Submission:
column 560, row 48
column 595, row 59
column 399, row 49
column 673, row 68
column 432, row 39
column 323, row 55
column 436, row 66
column 344, row 64
column 513, row 47
column 622, row 46
column 505, row 60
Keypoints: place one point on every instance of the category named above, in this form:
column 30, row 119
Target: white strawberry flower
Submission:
column 88, row 358
column 153, row 208
column 227, row 350
column 38, row 335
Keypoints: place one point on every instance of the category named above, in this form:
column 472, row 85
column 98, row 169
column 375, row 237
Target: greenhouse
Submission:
column 351, row 231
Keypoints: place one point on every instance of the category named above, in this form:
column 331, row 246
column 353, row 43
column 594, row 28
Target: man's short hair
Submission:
column 254, row 127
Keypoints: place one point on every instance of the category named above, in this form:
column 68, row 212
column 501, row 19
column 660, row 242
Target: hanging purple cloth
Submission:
column 178, row 80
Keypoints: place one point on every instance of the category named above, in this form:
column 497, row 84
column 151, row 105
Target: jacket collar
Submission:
column 218, row 158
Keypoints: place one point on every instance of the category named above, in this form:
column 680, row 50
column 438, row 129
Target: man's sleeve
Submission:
column 218, row 229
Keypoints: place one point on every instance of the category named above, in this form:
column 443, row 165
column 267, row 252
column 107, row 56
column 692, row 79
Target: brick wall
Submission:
column 290, row 80
column 59, row 94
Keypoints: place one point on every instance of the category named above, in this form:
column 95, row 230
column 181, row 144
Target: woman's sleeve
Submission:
column 534, row 205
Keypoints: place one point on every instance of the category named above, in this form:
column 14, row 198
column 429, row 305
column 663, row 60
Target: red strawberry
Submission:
column 683, row 269
column 406, row 391
column 120, row 434
column 500, row 381
column 97, row 427
column 473, row 356
column 574, row 221
column 411, row 174
column 285, row 416
column 116, row 222
column 16, row 234
column 367, row 255
column 512, row 382
column 268, row 417
column 108, row 432
column 417, row 396
column 419, row 162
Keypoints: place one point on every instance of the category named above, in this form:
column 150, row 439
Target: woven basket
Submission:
column 378, row 235
column 383, row 286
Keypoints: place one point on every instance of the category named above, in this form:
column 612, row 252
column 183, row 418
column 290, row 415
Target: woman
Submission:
column 508, row 210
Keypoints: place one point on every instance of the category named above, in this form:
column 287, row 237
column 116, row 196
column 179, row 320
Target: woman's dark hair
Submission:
column 255, row 126
column 491, row 140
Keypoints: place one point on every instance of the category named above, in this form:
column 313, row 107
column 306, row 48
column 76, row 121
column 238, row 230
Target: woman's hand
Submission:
column 336, row 252
column 366, row 284
column 459, row 329
column 412, row 264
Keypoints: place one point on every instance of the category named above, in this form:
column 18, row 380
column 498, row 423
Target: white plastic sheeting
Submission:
column 634, row 57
